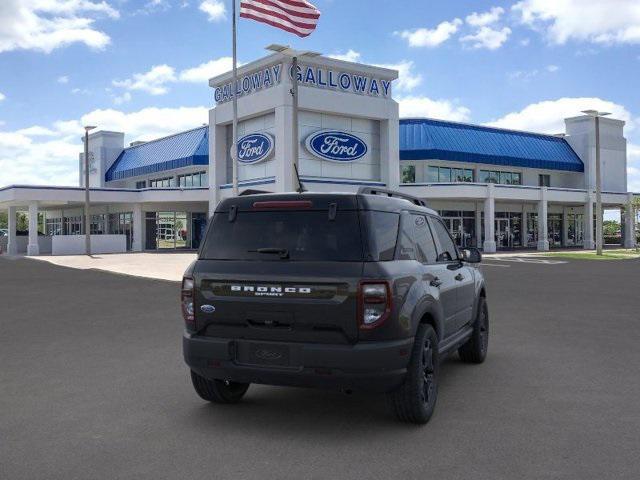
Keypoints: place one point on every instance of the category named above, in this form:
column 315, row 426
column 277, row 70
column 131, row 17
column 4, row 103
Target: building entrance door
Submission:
column 504, row 238
column 454, row 225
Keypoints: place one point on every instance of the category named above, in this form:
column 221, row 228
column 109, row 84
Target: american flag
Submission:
column 294, row 16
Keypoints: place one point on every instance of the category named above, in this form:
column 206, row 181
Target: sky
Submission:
column 141, row 66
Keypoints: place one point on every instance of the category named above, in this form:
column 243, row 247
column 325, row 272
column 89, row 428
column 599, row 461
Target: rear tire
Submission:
column 218, row 391
column 475, row 350
column 415, row 400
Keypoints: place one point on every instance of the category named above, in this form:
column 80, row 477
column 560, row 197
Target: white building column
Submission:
column 390, row 151
column 12, row 245
column 629, row 224
column 478, row 225
column 489, row 245
column 32, row 247
column 589, row 242
column 565, row 226
column 219, row 151
column 283, row 156
column 543, row 237
column 138, row 219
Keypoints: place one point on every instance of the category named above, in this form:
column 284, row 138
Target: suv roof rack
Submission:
column 391, row 193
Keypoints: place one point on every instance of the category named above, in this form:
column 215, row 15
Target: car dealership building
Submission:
column 496, row 189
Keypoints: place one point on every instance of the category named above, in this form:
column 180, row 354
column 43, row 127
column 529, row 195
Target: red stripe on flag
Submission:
column 273, row 13
column 274, row 24
column 296, row 16
column 293, row 13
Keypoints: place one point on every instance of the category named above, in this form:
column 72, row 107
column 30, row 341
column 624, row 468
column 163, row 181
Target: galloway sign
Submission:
column 308, row 76
column 255, row 148
column 331, row 79
column 336, row 146
column 248, row 84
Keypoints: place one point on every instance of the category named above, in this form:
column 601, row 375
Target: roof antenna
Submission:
column 300, row 188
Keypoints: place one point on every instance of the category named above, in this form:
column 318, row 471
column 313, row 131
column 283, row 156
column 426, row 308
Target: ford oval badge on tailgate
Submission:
column 207, row 308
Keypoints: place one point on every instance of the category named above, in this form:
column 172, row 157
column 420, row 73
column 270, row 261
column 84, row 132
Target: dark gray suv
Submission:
column 361, row 291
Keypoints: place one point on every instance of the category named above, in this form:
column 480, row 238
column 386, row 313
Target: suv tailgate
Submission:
column 278, row 300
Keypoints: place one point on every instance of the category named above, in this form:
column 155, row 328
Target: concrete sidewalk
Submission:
column 163, row 266
column 171, row 266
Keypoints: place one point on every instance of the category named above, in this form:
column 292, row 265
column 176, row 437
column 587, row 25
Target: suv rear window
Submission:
column 304, row 235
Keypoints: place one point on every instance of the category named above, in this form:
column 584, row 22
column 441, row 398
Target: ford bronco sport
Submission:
column 361, row 291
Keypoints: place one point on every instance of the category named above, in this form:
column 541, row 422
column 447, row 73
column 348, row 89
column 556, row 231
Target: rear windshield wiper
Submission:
column 283, row 252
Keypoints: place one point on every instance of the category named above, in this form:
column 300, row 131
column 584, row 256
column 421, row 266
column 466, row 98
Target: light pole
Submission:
column 294, row 54
column 596, row 114
column 87, row 217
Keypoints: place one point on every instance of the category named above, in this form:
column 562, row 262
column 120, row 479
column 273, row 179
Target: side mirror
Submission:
column 471, row 255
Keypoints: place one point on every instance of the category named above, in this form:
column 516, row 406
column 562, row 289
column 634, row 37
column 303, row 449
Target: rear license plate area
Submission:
column 265, row 354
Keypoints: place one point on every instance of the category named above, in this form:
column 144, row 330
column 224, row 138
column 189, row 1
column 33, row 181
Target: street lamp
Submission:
column 294, row 54
column 87, row 217
column 596, row 114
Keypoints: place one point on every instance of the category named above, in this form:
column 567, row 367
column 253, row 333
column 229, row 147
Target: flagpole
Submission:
column 294, row 121
column 234, row 144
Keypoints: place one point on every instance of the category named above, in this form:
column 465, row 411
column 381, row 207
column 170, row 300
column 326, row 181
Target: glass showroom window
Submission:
column 73, row 226
column 198, row 179
column 447, row 174
column 98, row 223
column 53, row 226
column 504, row 178
column 544, row 180
column 122, row 224
column 162, row 182
column 408, row 174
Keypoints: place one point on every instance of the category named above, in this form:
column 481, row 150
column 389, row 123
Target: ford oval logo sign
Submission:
column 336, row 146
column 255, row 148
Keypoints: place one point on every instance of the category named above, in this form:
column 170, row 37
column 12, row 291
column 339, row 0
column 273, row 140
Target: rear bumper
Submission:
column 366, row 366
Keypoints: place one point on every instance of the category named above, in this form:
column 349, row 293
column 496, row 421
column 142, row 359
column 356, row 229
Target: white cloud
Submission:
column 49, row 155
column 527, row 75
column 548, row 116
column 120, row 99
column 45, row 25
column 2, row 96
column 214, row 9
column 487, row 37
column 419, row 106
column 63, row 79
column 203, row 72
column 525, row 42
column 424, row 37
column 595, row 21
column 349, row 56
column 407, row 78
column 486, row 18
column 154, row 81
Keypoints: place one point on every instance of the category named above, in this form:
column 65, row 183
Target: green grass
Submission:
column 618, row 254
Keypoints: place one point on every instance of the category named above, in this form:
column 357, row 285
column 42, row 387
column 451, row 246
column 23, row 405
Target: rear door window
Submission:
column 383, row 234
column 446, row 248
column 425, row 246
column 304, row 235
column 406, row 241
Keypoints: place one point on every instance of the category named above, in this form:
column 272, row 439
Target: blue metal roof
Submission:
column 427, row 139
column 176, row 151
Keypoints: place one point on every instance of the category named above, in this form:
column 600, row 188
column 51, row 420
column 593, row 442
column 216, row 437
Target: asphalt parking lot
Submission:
column 92, row 385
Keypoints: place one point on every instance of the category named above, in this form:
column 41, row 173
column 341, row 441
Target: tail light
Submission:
column 374, row 304
column 187, row 302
